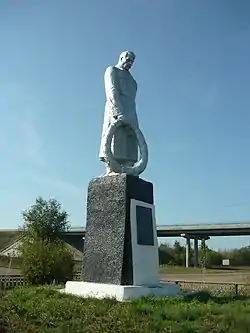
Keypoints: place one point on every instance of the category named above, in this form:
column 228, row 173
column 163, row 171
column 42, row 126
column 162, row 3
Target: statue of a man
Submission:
column 121, row 88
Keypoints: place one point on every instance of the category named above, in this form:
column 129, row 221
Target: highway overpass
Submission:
column 196, row 232
column 200, row 230
column 74, row 236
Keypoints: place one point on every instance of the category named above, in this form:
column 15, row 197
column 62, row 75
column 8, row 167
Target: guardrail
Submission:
column 222, row 287
column 10, row 281
column 14, row 280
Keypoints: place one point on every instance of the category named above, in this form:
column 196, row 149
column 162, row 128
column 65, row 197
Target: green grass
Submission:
column 45, row 310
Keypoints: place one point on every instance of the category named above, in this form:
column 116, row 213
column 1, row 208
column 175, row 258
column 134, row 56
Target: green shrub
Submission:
column 44, row 257
column 45, row 261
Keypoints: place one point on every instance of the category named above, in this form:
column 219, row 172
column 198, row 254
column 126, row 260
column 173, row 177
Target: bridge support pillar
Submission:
column 188, row 247
column 196, row 252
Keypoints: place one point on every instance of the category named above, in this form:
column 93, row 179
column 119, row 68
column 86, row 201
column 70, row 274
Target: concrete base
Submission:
column 120, row 293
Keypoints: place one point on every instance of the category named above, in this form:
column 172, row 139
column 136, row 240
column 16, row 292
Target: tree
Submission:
column 203, row 254
column 44, row 261
column 165, row 254
column 45, row 258
column 214, row 258
column 240, row 257
column 45, row 219
column 179, row 254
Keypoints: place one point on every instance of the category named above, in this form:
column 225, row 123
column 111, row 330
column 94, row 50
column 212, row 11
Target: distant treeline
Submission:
column 176, row 255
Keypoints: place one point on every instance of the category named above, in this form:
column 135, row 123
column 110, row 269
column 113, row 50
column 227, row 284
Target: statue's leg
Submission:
column 121, row 162
column 108, row 169
column 125, row 162
column 129, row 163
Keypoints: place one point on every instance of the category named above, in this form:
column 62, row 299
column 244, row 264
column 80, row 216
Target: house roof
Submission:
column 12, row 249
column 8, row 237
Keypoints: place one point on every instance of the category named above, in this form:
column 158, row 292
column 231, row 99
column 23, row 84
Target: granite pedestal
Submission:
column 120, row 248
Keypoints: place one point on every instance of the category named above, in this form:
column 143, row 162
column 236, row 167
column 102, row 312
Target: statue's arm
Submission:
column 112, row 91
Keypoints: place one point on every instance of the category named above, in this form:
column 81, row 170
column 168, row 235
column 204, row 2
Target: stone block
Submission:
column 108, row 248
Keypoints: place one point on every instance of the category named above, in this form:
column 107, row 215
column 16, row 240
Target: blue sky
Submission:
column 193, row 73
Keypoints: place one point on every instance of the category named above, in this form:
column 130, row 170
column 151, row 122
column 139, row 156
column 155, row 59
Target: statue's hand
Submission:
column 121, row 118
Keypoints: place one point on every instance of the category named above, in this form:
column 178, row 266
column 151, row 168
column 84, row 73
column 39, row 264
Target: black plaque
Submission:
column 144, row 222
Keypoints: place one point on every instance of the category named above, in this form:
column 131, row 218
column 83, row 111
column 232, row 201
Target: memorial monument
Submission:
column 121, row 248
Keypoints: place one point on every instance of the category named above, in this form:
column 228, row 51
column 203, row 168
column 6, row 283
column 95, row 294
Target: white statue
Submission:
column 121, row 88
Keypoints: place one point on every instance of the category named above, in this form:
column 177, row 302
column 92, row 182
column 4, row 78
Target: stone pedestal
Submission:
column 121, row 247
column 120, row 216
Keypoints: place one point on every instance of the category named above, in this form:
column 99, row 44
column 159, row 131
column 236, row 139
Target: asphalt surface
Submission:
column 209, row 278
column 229, row 277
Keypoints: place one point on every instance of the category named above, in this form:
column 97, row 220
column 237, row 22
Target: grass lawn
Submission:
column 45, row 310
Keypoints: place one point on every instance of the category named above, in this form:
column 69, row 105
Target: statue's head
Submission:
column 126, row 60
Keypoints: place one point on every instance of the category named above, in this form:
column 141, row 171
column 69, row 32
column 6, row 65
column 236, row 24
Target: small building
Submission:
column 11, row 250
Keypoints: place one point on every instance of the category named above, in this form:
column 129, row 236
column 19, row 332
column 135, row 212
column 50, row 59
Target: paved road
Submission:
column 219, row 278
column 229, row 277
